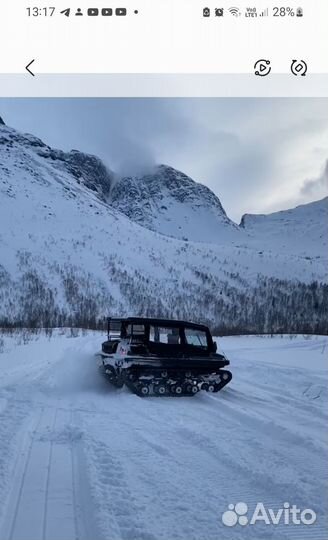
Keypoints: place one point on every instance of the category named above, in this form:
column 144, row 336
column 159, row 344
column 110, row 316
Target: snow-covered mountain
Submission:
column 78, row 242
column 300, row 230
column 169, row 202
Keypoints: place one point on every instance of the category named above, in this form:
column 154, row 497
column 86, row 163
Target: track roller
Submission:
column 159, row 389
column 190, row 388
column 143, row 390
column 176, row 389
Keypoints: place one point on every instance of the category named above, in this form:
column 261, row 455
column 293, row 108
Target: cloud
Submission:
column 254, row 153
column 317, row 187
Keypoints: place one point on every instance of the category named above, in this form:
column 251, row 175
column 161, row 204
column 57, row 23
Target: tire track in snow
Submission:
column 15, row 426
column 78, row 534
column 195, row 438
column 283, row 455
column 45, row 510
column 28, row 519
column 118, row 512
column 167, row 478
column 279, row 472
column 20, row 470
column 85, row 508
column 62, row 503
column 125, row 468
column 44, row 491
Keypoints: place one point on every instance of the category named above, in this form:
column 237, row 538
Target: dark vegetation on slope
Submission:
column 272, row 306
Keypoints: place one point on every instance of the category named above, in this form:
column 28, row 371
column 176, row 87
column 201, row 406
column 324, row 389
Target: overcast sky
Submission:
column 257, row 155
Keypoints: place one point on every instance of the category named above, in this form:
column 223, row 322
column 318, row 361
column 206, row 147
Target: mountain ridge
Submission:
column 170, row 202
column 68, row 254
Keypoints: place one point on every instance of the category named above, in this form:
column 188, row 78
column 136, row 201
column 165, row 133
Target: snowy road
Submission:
column 80, row 460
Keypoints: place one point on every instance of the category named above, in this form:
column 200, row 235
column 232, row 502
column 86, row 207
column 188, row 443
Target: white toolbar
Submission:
column 165, row 36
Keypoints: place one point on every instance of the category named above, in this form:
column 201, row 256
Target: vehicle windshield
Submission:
column 169, row 336
column 196, row 337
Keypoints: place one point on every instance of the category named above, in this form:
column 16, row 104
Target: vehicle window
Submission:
column 164, row 335
column 196, row 337
column 137, row 329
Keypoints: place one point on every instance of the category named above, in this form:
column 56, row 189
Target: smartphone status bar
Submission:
column 165, row 36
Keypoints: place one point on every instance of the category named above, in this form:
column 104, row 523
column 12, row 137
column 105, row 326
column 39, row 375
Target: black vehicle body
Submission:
column 162, row 357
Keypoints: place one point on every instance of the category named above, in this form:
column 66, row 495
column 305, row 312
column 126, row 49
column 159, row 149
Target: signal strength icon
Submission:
column 265, row 13
column 234, row 11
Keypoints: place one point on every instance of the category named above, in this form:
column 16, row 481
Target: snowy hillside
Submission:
column 169, row 202
column 69, row 253
column 81, row 460
column 300, row 230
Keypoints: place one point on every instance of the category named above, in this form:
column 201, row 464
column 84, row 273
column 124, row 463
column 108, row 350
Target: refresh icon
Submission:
column 299, row 67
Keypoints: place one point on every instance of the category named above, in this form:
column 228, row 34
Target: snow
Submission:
column 79, row 459
column 291, row 231
column 54, row 223
column 171, row 203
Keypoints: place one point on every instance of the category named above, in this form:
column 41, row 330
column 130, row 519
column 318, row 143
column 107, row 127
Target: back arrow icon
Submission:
column 27, row 68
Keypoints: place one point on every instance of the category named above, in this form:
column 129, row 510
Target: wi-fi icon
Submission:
column 234, row 11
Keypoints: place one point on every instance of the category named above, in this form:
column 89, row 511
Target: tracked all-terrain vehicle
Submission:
column 162, row 357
